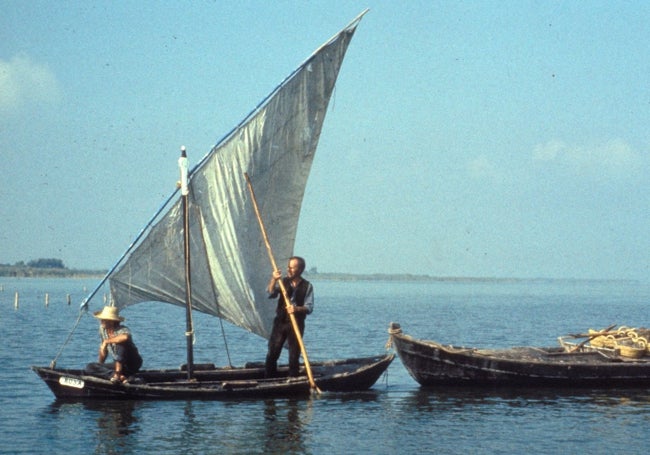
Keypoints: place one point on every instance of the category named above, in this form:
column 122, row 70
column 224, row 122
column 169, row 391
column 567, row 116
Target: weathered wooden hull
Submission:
column 433, row 364
column 217, row 383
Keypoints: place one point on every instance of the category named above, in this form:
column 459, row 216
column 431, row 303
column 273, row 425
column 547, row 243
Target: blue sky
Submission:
column 486, row 139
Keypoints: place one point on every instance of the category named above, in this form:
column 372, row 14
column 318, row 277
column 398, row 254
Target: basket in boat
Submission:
column 634, row 350
column 601, row 341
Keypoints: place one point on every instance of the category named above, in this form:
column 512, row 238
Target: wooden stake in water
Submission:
column 69, row 299
column 47, row 300
column 16, row 300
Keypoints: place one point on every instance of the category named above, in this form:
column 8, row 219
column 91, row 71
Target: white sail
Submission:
column 230, row 267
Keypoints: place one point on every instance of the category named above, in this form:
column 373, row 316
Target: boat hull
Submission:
column 347, row 375
column 433, row 364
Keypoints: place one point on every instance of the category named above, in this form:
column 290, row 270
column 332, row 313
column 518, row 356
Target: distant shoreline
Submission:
column 453, row 279
column 37, row 272
column 12, row 271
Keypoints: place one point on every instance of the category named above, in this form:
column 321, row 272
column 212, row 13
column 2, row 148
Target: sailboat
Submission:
column 209, row 249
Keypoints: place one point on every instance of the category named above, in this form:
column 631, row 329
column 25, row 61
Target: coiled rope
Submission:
column 393, row 329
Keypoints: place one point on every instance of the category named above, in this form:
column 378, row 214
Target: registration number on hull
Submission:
column 71, row 382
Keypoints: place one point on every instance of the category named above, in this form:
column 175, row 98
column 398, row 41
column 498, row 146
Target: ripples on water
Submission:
column 350, row 320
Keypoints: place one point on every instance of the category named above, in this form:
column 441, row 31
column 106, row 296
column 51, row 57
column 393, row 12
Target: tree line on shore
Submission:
column 55, row 268
column 44, row 267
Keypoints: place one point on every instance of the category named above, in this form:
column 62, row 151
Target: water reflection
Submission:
column 429, row 399
column 285, row 422
column 352, row 397
column 115, row 422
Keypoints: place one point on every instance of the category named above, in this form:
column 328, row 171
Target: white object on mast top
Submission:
column 182, row 164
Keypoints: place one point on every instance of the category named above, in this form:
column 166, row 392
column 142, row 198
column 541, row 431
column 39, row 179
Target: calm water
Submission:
column 350, row 319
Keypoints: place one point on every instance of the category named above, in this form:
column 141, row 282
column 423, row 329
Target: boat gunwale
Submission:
column 548, row 353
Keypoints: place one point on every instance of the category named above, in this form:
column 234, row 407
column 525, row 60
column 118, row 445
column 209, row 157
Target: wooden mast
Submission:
column 189, row 326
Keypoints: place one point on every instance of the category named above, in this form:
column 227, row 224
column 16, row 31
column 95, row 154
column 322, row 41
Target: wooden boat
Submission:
column 433, row 364
column 210, row 383
column 204, row 252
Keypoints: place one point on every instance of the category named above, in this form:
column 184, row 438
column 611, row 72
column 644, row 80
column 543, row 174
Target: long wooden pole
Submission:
column 189, row 326
column 591, row 336
column 603, row 332
column 287, row 302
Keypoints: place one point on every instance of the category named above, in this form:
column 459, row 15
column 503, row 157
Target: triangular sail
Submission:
column 275, row 145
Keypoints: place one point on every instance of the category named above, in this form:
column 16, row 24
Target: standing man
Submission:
column 301, row 303
column 117, row 340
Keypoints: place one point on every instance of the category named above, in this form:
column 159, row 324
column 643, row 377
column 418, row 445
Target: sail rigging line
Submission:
column 221, row 326
column 225, row 342
column 214, row 286
column 88, row 298
column 287, row 302
column 217, row 305
column 82, row 311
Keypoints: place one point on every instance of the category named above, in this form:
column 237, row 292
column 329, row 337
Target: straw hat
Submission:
column 110, row 313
